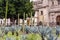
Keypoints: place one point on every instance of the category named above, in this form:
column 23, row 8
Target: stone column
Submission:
column 46, row 16
column 52, row 19
column 36, row 17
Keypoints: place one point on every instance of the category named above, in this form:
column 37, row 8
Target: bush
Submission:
column 34, row 37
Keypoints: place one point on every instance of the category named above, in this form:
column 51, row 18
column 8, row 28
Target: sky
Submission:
column 32, row 0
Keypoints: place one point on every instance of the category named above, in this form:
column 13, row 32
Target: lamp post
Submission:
column 43, row 19
column 23, row 22
column 18, row 19
column 31, row 19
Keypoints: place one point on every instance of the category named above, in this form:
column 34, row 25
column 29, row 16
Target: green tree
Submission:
column 6, row 11
column 15, row 8
column 2, row 7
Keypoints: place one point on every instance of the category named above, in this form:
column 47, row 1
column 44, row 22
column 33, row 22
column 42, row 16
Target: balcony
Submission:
column 38, row 6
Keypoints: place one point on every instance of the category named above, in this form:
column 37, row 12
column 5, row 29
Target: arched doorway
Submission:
column 58, row 20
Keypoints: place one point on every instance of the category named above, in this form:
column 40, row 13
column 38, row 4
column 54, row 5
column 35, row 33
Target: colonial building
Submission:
column 47, row 12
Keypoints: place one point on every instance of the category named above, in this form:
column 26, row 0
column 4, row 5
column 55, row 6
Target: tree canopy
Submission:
column 16, row 7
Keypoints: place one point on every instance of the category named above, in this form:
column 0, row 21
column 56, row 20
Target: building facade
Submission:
column 47, row 12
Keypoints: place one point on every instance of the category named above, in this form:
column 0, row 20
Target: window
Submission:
column 41, row 1
column 58, row 1
column 52, row 2
column 41, row 12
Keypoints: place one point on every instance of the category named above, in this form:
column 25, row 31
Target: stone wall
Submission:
column 50, row 9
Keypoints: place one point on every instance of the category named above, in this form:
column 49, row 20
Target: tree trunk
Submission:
column 6, row 12
column 26, row 17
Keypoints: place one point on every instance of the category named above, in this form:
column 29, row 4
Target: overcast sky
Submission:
column 32, row 0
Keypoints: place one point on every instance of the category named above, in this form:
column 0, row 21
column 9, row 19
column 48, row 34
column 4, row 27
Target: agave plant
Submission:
column 23, row 37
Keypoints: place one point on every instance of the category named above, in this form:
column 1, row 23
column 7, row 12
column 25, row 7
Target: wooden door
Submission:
column 58, row 20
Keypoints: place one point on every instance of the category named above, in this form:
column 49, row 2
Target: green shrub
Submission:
column 33, row 37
